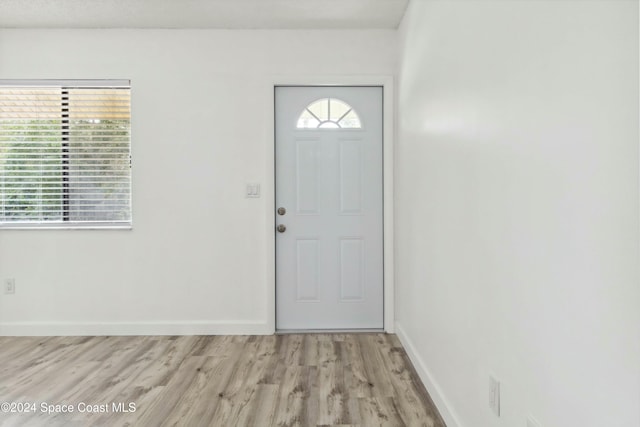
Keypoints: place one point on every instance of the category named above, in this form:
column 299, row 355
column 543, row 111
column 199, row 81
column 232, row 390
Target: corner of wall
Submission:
column 439, row 399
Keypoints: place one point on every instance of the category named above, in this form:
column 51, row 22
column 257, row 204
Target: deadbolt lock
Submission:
column 282, row 211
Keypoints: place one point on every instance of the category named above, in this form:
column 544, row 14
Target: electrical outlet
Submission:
column 494, row 395
column 531, row 422
column 9, row 286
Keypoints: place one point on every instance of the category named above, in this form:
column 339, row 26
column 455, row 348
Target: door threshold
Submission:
column 328, row 331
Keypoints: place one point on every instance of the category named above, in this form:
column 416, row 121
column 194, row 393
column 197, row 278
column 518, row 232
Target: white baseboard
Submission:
column 438, row 397
column 139, row 328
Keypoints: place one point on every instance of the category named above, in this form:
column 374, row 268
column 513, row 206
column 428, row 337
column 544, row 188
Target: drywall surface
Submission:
column 196, row 260
column 517, row 209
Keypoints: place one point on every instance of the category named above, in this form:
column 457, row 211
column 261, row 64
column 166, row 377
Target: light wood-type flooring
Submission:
column 279, row 380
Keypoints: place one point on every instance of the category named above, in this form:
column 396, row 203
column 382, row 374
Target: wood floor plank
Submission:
column 292, row 349
column 245, row 402
column 301, row 380
column 380, row 412
column 332, row 405
column 263, row 411
column 292, row 397
column 125, row 365
column 168, row 403
column 237, row 394
column 313, row 397
column 356, row 377
column 310, row 349
column 201, row 380
column 216, row 383
column 379, row 381
column 40, row 369
column 407, row 395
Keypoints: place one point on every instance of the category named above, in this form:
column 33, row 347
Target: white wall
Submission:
column 517, row 209
column 197, row 258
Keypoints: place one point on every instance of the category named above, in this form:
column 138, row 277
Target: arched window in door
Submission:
column 329, row 113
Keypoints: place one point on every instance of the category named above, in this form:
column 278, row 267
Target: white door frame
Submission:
column 386, row 82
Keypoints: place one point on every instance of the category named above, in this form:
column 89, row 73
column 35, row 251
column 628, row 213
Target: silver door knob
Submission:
column 281, row 228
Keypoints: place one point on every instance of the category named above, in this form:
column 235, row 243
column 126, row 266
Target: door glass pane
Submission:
column 328, row 113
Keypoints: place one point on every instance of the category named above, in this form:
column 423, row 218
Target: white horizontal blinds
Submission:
column 65, row 154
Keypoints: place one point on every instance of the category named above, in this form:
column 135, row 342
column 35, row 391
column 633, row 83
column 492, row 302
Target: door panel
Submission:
column 307, row 179
column 350, row 177
column 351, row 270
column 329, row 266
column 307, row 270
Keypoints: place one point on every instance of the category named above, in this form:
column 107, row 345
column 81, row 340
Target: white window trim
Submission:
column 88, row 225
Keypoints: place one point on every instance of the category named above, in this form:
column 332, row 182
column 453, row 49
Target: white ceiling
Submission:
column 223, row 14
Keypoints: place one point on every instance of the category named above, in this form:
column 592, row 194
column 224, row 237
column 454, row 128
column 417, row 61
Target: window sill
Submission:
column 103, row 226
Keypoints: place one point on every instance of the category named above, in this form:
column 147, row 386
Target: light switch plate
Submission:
column 9, row 286
column 252, row 190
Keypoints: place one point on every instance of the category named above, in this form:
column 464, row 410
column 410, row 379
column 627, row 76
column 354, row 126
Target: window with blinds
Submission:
column 65, row 153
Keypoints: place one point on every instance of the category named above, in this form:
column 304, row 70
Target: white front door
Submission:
column 329, row 248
